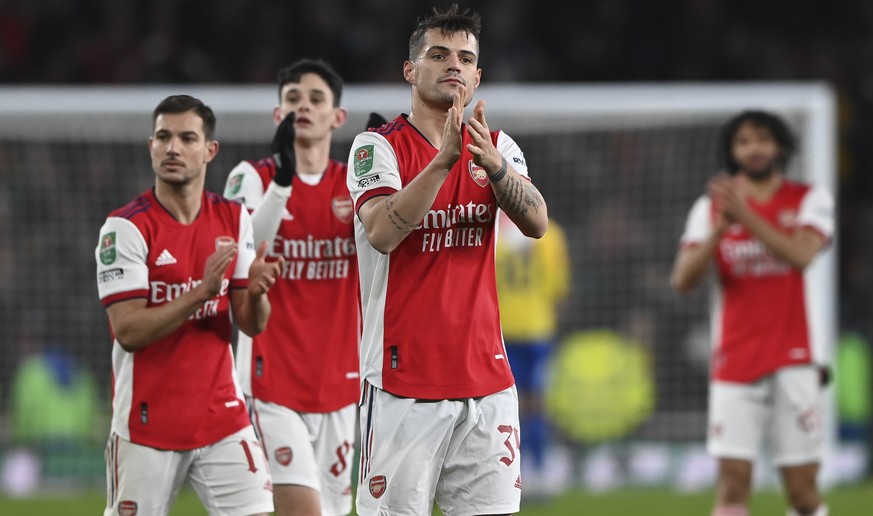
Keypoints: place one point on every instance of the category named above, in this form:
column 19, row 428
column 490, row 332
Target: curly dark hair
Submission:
column 769, row 121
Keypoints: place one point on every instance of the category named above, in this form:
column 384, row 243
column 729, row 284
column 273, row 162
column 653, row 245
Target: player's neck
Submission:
column 312, row 159
column 429, row 121
column 182, row 201
column 763, row 189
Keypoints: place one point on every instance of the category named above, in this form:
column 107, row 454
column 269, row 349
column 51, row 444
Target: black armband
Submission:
column 500, row 173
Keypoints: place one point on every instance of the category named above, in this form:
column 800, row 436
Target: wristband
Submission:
column 500, row 173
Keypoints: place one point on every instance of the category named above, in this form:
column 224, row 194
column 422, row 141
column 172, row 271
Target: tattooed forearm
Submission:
column 516, row 195
column 396, row 219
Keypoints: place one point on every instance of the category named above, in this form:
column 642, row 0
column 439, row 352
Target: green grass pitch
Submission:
column 848, row 501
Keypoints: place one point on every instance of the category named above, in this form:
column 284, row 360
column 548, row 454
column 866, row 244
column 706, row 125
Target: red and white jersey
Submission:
column 431, row 319
column 307, row 358
column 759, row 313
column 180, row 392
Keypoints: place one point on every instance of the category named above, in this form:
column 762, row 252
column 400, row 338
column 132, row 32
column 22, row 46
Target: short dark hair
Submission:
column 449, row 22
column 295, row 71
column 773, row 123
column 183, row 104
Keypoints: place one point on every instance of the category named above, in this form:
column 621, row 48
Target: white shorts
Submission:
column 463, row 453
column 309, row 449
column 783, row 409
column 230, row 477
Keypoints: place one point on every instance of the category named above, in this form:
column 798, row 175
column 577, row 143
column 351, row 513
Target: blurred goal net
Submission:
column 619, row 166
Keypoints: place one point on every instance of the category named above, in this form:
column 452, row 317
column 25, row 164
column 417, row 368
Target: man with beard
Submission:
column 761, row 230
column 439, row 409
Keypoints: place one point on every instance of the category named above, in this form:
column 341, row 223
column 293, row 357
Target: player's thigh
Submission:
column 334, row 448
column 142, row 480
column 287, row 441
column 797, row 434
column 404, row 444
column 482, row 470
column 738, row 416
column 231, row 477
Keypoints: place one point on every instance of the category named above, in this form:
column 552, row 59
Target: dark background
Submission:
column 232, row 41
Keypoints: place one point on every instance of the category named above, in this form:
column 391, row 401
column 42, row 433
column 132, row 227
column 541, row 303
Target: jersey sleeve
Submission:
column 122, row 270
column 244, row 185
column 817, row 212
column 373, row 168
column 698, row 225
column 245, row 251
column 512, row 153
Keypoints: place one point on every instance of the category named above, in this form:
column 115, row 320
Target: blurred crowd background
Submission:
column 232, row 42
column 111, row 42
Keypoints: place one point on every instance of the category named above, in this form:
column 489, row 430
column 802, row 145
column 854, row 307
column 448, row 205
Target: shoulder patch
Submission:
column 107, row 248
column 363, row 162
column 233, row 185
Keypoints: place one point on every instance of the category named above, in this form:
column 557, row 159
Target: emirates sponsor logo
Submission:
column 283, row 455
column 127, row 508
column 378, row 484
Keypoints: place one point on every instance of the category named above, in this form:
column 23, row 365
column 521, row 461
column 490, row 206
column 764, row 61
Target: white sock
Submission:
column 730, row 510
column 821, row 511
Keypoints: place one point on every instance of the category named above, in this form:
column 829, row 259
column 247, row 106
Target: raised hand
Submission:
column 263, row 274
column 375, row 121
column 727, row 197
column 450, row 150
column 485, row 154
column 283, row 151
column 216, row 268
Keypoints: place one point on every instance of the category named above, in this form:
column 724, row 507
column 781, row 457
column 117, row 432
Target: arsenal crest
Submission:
column 378, row 485
column 283, row 455
column 478, row 174
column 127, row 508
column 342, row 208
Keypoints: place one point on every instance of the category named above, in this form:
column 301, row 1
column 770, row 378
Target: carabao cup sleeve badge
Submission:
column 363, row 160
column 107, row 248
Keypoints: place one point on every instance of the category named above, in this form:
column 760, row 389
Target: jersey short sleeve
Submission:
column 698, row 225
column 817, row 211
column 246, row 247
column 373, row 168
column 122, row 272
column 512, row 153
column 244, row 184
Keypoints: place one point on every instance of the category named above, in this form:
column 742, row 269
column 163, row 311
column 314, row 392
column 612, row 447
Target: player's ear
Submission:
column 212, row 149
column 340, row 116
column 277, row 115
column 409, row 72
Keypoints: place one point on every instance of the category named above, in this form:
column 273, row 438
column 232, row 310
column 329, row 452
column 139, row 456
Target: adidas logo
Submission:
column 165, row 258
column 518, row 482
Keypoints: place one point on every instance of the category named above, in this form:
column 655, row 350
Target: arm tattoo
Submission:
column 517, row 196
column 399, row 222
